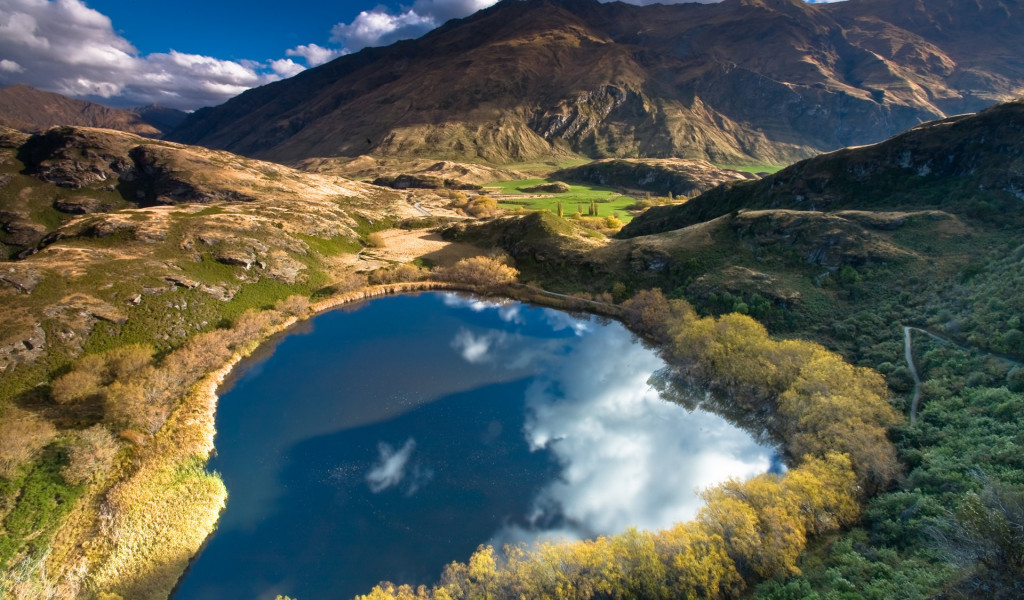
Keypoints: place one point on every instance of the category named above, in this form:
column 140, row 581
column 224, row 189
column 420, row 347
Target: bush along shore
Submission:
column 831, row 418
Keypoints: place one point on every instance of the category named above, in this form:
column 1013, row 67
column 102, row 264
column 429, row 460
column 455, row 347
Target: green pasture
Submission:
column 578, row 198
column 753, row 168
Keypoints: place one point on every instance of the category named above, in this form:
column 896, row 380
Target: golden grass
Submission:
column 155, row 521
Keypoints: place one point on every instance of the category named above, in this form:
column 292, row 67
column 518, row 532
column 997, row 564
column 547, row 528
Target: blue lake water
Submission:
column 387, row 440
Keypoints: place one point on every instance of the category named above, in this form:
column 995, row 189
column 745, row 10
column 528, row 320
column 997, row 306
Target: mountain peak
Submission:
column 744, row 80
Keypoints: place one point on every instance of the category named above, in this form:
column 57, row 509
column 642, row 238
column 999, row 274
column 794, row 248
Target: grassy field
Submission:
column 754, row 168
column 543, row 167
column 609, row 201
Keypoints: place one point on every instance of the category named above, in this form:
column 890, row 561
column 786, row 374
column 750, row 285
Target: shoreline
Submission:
column 202, row 399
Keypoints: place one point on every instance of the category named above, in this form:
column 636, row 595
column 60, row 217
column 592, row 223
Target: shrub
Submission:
column 91, row 372
column 612, row 222
column 22, row 436
column 75, row 385
column 90, row 455
column 294, row 305
column 396, row 274
column 479, row 206
column 479, row 270
column 376, row 240
column 1015, row 379
column 126, row 361
column 135, row 405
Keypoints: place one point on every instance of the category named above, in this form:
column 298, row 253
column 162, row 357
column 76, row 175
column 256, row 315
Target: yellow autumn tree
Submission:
column 697, row 563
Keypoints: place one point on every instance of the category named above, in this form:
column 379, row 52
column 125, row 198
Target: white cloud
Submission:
column 379, row 27
column 286, row 67
column 389, row 469
column 66, row 47
column 559, row 320
column 511, row 313
column 314, row 54
column 508, row 311
column 473, row 303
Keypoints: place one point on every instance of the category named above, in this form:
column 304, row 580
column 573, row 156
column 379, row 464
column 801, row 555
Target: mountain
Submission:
column 27, row 109
column 967, row 165
column 765, row 81
column 160, row 117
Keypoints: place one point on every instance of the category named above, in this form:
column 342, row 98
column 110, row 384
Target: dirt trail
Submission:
column 909, row 355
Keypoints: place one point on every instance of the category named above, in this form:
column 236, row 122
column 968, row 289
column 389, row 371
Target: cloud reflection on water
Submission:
column 628, row 457
column 392, row 468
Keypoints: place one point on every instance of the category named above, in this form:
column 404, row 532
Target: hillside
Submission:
column 969, row 165
column 664, row 176
column 742, row 81
column 27, row 109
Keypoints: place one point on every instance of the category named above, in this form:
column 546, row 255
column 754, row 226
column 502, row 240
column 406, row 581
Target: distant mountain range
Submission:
column 27, row 109
column 754, row 81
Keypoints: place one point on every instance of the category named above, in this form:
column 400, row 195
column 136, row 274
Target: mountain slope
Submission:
column 662, row 176
column 968, row 165
column 27, row 109
column 743, row 80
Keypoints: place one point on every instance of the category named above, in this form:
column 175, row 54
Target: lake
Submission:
column 385, row 440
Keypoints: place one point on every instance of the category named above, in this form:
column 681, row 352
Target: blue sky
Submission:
column 192, row 53
column 228, row 29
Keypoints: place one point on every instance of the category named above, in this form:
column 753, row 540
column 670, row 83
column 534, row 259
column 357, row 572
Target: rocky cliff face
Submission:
column 768, row 81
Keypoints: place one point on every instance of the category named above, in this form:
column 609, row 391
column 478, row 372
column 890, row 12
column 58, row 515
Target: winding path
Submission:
column 909, row 355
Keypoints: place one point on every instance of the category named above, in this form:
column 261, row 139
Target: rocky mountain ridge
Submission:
column 47, row 180
column 762, row 81
column 30, row 110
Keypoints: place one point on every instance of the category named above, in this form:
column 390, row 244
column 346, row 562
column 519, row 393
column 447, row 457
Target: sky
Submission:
column 192, row 53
